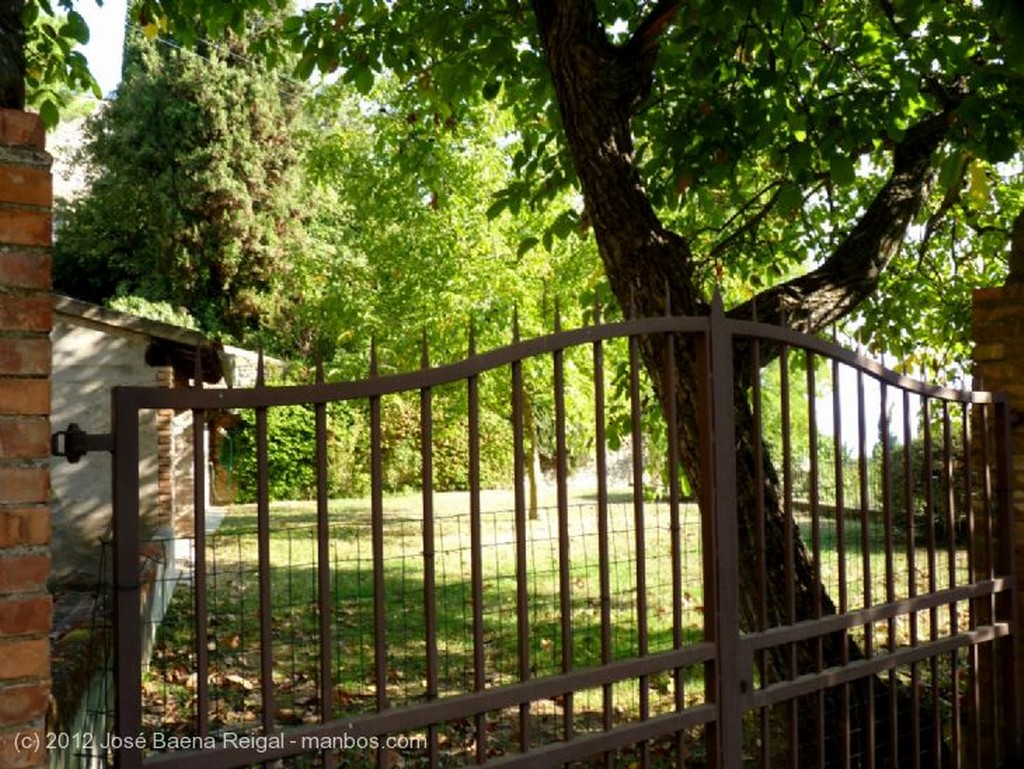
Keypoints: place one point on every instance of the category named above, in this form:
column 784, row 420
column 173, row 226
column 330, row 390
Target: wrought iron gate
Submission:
column 885, row 640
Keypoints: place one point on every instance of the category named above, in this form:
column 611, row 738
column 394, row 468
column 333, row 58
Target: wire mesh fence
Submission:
column 233, row 610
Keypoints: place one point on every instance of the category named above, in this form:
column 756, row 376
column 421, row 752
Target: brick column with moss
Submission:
column 997, row 320
column 25, row 323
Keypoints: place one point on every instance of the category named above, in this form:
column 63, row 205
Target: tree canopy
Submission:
column 194, row 196
column 795, row 149
column 790, row 152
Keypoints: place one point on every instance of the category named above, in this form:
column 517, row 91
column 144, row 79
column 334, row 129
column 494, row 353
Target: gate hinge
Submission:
column 74, row 443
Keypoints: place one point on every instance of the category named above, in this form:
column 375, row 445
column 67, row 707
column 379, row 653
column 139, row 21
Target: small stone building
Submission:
column 94, row 350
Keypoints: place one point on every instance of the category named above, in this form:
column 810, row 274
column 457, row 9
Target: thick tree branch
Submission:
column 949, row 200
column 1017, row 250
column 648, row 33
column 598, row 88
column 817, row 299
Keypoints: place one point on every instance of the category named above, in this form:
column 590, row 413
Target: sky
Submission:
column 106, row 40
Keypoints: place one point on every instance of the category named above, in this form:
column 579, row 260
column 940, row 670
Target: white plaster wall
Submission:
column 88, row 360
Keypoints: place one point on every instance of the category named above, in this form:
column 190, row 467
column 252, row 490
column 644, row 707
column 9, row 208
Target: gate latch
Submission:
column 74, row 443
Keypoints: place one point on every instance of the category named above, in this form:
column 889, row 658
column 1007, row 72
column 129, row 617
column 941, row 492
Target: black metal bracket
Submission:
column 74, row 443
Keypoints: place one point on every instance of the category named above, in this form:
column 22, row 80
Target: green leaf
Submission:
column 525, row 245
column 491, row 90
column 292, row 25
column 495, row 209
column 29, row 14
column 304, row 69
column 76, row 28
column 564, row 224
column 49, row 113
column 791, row 199
column 800, row 158
column 842, row 171
column 951, row 170
column 363, row 80
column 978, row 186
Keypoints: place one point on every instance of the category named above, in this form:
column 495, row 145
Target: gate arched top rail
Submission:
column 388, row 384
column 796, row 339
column 290, row 395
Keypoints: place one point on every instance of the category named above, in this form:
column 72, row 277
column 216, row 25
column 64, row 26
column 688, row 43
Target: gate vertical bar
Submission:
column 127, row 639
column 760, row 537
column 956, row 737
column 815, row 511
column 380, row 651
column 675, row 525
column 476, row 551
column 908, row 504
column 263, row 548
column 987, row 570
column 724, row 521
column 604, row 568
column 522, row 575
column 199, row 559
column 840, row 524
column 973, row 698
column 868, row 739
column 564, row 539
column 792, row 664
column 706, row 501
column 199, row 569
column 888, row 517
column 323, row 567
column 933, row 612
column 639, row 524
column 429, row 550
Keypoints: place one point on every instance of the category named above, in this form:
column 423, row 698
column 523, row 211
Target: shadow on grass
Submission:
column 295, row 648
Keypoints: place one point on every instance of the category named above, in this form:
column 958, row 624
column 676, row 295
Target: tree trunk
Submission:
column 12, row 55
column 599, row 87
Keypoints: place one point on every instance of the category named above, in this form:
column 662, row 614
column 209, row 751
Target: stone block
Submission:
column 25, row 356
column 25, row 616
column 26, row 313
column 25, row 185
column 24, row 485
column 24, row 397
column 21, row 129
column 22, row 269
column 23, row 227
column 21, row 527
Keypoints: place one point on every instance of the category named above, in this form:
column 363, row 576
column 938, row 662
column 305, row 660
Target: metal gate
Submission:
column 840, row 592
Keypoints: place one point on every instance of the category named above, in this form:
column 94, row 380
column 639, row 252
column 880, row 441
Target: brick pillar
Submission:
column 25, row 322
column 997, row 320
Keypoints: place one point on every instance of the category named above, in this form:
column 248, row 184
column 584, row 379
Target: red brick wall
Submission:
column 998, row 330
column 25, row 322
column 997, row 319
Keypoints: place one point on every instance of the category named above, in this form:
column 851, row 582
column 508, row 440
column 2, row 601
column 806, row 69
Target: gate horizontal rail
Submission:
column 463, row 706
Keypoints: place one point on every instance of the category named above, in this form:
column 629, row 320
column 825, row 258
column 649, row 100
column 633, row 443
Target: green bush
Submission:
column 291, row 448
column 291, row 453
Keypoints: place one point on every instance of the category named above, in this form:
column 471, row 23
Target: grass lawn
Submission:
column 232, row 557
